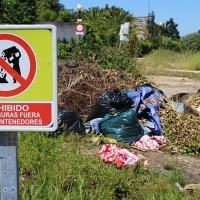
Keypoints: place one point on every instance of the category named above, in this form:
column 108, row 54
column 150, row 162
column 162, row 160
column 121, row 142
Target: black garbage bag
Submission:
column 177, row 97
column 110, row 102
column 68, row 122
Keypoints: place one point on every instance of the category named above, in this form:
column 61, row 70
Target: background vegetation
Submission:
column 104, row 38
column 170, row 63
column 101, row 44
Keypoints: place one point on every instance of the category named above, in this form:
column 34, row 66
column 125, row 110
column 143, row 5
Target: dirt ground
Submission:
column 156, row 160
column 174, row 85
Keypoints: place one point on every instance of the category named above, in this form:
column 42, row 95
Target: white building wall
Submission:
column 64, row 30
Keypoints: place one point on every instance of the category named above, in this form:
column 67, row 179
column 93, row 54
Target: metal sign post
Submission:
column 9, row 180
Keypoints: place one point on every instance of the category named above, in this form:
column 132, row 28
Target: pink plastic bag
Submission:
column 149, row 143
column 121, row 157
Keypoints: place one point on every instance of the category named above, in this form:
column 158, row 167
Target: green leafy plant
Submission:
column 25, row 15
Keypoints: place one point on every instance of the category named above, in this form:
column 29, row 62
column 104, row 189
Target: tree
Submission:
column 65, row 16
column 49, row 4
column 93, row 20
column 191, row 42
column 47, row 8
column 117, row 15
column 153, row 30
column 104, row 23
column 47, row 15
column 170, row 30
column 18, row 11
column 93, row 16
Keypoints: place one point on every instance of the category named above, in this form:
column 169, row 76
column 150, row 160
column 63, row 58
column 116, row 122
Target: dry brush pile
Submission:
column 183, row 129
column 80, row 86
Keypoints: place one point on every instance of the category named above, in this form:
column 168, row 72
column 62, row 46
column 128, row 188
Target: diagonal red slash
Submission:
column 12, row 72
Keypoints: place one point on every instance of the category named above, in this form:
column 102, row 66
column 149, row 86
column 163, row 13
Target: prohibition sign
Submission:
column 79, row 27
column 24, row 83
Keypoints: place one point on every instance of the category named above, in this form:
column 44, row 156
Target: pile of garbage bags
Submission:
column 117, row 114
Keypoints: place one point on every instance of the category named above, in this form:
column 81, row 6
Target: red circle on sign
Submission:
column 79, row 27
column 26, row 82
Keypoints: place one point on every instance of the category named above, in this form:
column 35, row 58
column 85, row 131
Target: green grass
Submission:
column 65, row 167
column 160, row 62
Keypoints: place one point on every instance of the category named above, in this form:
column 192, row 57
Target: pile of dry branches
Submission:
column 79, row 87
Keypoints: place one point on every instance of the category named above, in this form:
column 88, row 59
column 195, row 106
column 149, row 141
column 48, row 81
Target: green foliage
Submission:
column 96, row 53
column 65, row 16
column 170, row 30
column 153, row 30
column 159, row 62
column 11, row 14
column 104, row 24
column 66, row 168
column 134, row 46
column 146, row 46
column 191, row 42
column 48, row 10
column 65, row 50
column 100, row 45
column 111, row 58
column 47, row 15
column 49, row 4
column 62, row 49
column 166, row 35
column 170, row 44
column 194, row 62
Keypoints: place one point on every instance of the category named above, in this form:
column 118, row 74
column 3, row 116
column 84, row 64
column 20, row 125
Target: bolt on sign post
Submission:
column 28, row 92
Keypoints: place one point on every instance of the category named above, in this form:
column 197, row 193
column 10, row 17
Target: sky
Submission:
column 185, row 13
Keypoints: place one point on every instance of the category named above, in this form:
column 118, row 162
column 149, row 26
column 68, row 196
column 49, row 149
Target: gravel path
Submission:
column 174, row 85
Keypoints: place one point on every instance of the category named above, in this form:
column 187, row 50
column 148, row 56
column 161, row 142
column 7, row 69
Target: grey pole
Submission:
column 9, row 177
column 79, row 16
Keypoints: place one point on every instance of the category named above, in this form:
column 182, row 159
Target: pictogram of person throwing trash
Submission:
column 12, row 55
